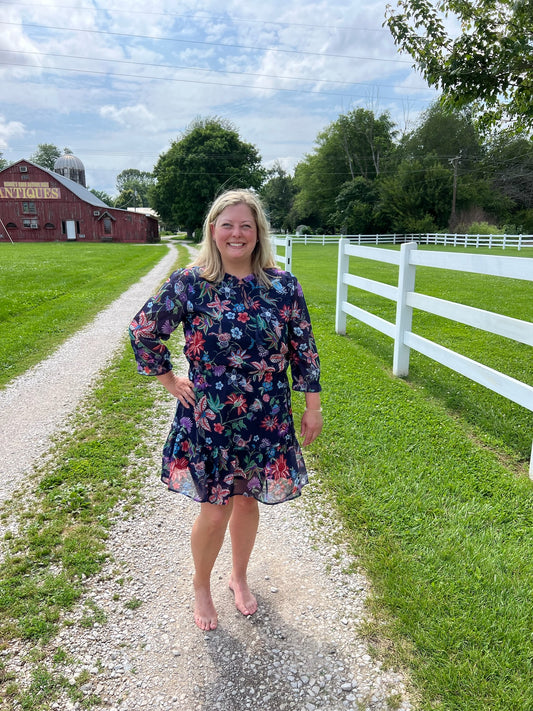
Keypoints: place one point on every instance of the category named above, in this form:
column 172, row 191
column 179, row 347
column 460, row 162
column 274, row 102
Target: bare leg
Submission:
column 206, row 541
column 243, row 526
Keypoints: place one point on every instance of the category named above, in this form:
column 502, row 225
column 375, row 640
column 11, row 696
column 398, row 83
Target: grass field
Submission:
column 48, row 291
column 428, row 474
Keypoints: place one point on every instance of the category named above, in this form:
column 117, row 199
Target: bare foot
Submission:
column 205, row 615
column 245, row 602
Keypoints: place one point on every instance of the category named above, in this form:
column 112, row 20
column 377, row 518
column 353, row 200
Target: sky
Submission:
column 117, row 83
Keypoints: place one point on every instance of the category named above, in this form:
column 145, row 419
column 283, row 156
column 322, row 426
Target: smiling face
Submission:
column 235, row 235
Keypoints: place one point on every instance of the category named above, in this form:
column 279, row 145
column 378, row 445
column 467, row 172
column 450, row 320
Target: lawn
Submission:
column 49, row 291
column 429, row 475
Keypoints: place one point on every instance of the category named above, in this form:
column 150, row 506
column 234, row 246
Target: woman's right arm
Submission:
column 153, row 324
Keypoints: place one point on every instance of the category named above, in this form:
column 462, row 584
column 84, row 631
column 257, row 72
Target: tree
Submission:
column 510, row 160
column 445, row 134
column 134, row 187
column 510, row 172
column 104, row 197
column 278, row 197
column 210, row 157
column 357, row 144
column 3, row 162
column 489, row 66
column 355, row 213
column 417, row 198
column 46, row 155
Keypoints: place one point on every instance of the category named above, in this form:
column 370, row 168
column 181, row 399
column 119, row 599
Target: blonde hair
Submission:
column 262, row 257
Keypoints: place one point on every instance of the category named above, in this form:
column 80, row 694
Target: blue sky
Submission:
column 117, row 83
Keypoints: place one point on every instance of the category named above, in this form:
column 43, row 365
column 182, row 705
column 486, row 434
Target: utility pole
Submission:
column 455, row 163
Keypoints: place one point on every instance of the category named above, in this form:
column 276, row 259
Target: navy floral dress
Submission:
column 240, row 337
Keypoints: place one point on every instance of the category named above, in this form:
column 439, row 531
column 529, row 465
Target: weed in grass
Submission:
column 133, row 604
column 61, row 656
column 44, row 688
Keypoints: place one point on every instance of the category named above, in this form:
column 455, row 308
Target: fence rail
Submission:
column 446, row 240
column 407, row 259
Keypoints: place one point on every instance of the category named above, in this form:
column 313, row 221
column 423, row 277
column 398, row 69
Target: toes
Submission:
column 205, row 624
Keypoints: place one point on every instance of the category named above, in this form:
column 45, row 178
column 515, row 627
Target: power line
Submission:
column 200, row 69
column 144, row 77
column 209, row 44
column 196, row 15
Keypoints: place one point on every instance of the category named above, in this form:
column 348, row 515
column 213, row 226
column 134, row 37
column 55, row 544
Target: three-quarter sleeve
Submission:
column 155, row 322
column 303, row 355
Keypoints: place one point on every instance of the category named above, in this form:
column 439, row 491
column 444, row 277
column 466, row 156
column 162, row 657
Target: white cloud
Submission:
column 131, row 117
column 9, row 130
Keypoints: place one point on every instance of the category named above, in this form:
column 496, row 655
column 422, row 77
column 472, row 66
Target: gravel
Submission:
column 302, row 649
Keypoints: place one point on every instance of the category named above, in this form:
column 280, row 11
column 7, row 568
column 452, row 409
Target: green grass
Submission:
column 433, row 489
column 49, row 291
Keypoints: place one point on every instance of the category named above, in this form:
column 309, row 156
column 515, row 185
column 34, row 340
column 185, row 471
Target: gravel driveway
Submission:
column 300, row 651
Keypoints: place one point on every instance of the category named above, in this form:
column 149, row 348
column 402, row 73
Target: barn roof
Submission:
column 77, row 189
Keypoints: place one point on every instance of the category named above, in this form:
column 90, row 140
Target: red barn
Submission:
column 38, row 205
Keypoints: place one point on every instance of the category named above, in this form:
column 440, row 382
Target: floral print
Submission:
column 240, row 338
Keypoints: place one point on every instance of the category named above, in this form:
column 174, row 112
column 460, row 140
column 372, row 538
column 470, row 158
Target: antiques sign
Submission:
column 29, row 191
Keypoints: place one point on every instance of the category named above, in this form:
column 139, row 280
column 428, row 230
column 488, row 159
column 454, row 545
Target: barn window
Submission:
column 26, row 223
column 28, row 208
column 11, row 226
column 107, row 225
column 49, row 226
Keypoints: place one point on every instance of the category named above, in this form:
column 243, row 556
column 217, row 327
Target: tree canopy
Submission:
column 489, row 66
column 103, row 196
column 133, row 186
column 444, row 174
column 46, row 155
column 210, row 157
column 357, row 144
column 278, row 195
column 3, row 162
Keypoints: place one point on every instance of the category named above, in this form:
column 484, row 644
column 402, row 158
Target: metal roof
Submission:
column 76, row 188
column 69, row 161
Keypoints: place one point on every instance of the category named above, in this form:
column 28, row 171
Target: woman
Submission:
column 232, row 441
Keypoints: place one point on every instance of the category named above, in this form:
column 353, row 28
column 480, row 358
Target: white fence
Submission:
column 286, row 242
column 408, row 258
column 447, row 240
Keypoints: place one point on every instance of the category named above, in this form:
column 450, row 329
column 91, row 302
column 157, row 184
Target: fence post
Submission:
column 404, row 313
column 342, row 288
column 288, row 254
